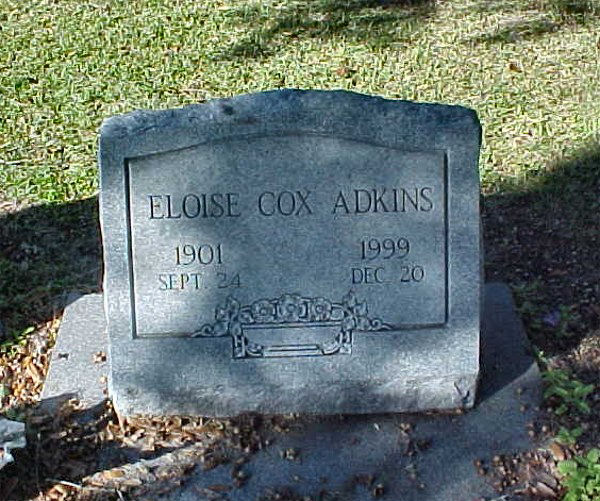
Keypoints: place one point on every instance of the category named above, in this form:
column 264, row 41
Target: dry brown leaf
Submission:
column 512, row 66
column 110, row 474
column 557, row 451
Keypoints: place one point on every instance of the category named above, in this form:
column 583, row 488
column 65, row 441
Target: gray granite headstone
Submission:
column 292, row 251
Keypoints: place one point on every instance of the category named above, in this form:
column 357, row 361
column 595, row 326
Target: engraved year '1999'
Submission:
column 378, row 249
column 386, row 248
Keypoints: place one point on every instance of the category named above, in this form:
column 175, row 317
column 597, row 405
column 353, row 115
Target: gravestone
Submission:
column 292, row 251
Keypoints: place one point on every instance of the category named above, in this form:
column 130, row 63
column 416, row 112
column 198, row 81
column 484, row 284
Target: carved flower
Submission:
column 263, row 311
column 289, row 308
column 227, row 311
column 226, row 316
column 355, row 314
column 246, row 316
column 320, row 309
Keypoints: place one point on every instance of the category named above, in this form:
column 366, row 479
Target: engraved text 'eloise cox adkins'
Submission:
column 202, row 234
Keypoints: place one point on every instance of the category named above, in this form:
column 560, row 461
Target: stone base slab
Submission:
column 334, row 451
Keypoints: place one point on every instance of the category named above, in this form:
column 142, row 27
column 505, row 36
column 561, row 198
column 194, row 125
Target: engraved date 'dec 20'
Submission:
column 376, row 252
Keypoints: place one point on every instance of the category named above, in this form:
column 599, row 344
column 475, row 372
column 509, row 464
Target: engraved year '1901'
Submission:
column 205, row 254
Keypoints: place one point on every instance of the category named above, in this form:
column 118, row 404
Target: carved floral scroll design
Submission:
column 291, row 310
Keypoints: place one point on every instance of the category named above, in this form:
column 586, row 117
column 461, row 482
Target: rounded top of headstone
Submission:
column 318, row 111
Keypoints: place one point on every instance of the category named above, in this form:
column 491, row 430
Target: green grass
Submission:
column 569, row 394
column 529, row 68
column 582, row 477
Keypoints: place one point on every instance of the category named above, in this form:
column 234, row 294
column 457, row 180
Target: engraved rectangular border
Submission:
column 127, row 180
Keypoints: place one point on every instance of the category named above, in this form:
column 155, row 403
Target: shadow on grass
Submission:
column 46, row 251
column 575, row 10
column 551, row 16
column 544, row 241
column 374, row 22
column 519, row 30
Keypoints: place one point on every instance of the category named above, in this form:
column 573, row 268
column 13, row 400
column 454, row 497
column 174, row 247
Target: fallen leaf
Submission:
column 514, row 67
column 114, row 474
column 557, row 451
column 219, row 488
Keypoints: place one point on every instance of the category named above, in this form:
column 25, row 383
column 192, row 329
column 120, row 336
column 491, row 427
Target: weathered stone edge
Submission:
column 245, row 108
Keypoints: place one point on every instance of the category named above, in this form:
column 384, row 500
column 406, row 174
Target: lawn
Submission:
column 528, row 67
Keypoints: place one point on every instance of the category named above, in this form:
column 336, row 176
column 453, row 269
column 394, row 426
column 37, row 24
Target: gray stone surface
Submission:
column 12, row 436
column 438, row 449
column 292, row 251
column 78, row 368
